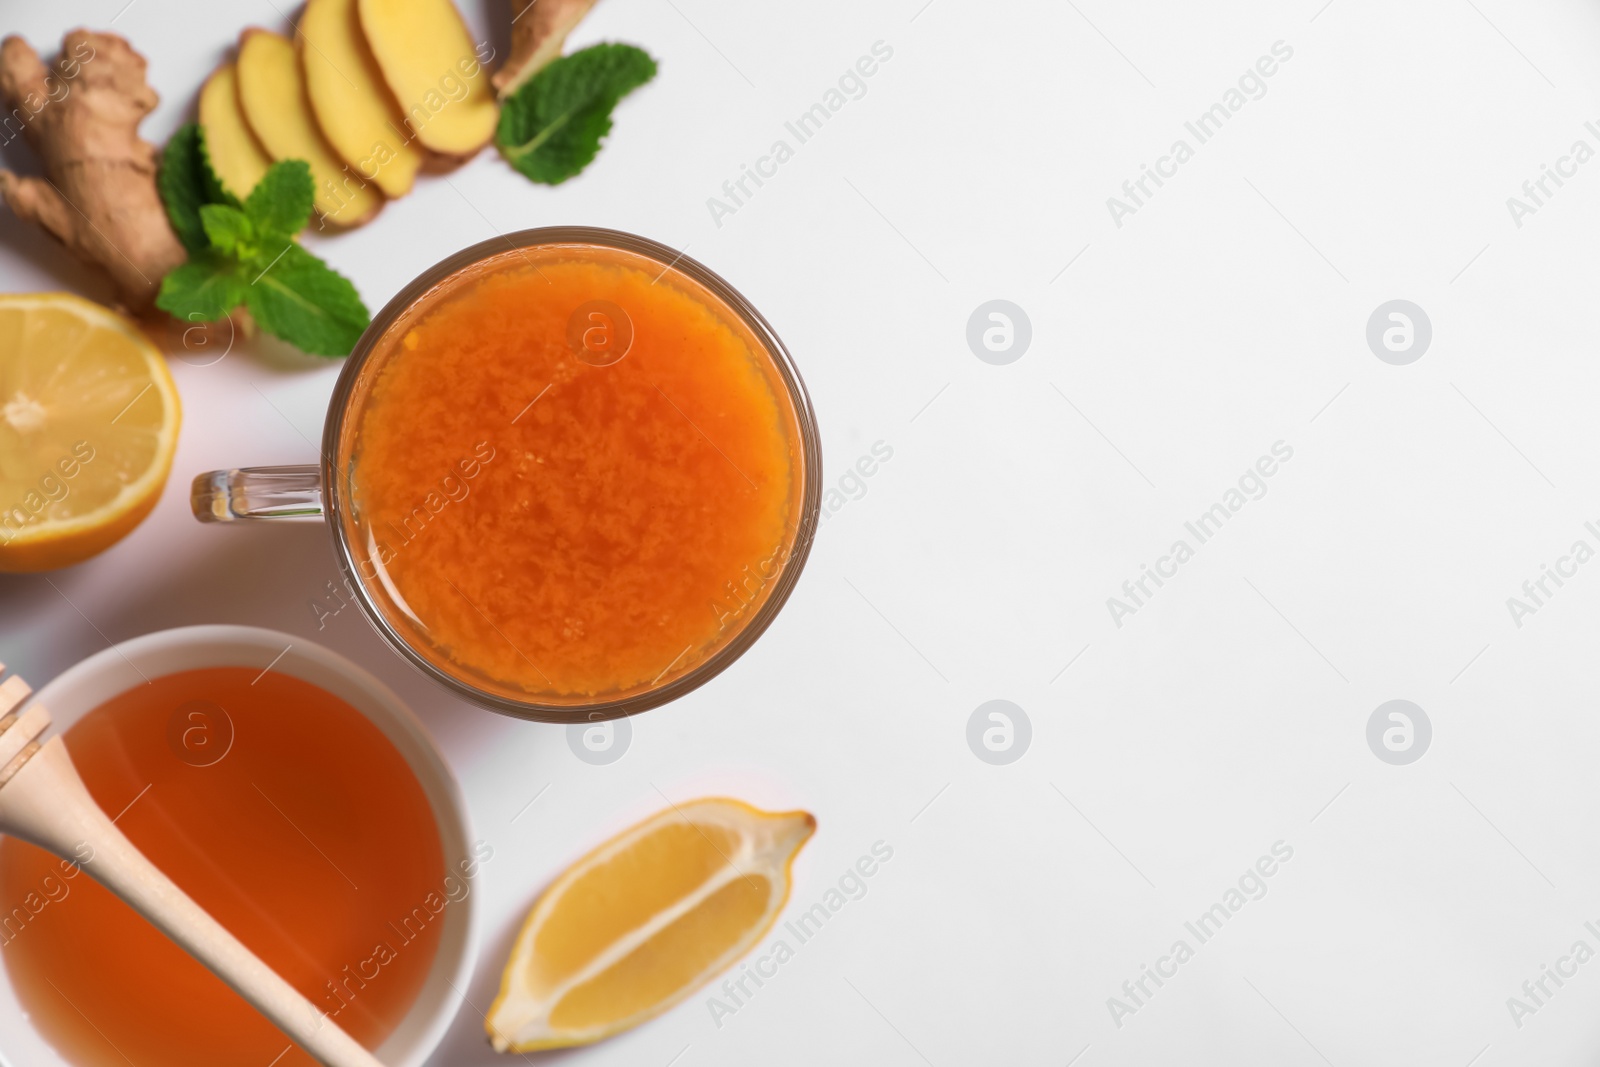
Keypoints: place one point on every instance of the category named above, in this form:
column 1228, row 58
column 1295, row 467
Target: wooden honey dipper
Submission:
column 44, row 801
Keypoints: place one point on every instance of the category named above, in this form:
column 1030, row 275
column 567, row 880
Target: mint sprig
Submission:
column 551, row 127
column 246, row 253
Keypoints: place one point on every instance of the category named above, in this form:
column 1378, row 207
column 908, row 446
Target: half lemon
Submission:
column 644, row 920
column 89, row 421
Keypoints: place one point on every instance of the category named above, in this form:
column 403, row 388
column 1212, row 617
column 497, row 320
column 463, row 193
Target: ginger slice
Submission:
column 539, row 31
column 98, row 196
column 352, row 102
column 429, row 62
column 273, row 96
column 236, row 156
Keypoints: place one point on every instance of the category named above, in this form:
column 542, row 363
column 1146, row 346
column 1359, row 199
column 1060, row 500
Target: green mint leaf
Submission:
column 302, row 300
column 187, row 183
column 215, row 193
column 280, row 204
column 551, row 127
column 228, row 229
column 182, row 190
column 244, row 253
column 202, row 290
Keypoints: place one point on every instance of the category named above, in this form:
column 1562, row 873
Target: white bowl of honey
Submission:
column 300, row 802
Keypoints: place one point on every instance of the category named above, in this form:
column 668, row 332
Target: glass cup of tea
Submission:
column 570, row 474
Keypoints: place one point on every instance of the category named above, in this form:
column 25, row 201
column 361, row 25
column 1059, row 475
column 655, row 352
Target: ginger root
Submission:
column 539, row 31
column 98, row 195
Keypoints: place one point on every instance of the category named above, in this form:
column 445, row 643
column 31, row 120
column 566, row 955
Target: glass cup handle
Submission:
column 290, row 492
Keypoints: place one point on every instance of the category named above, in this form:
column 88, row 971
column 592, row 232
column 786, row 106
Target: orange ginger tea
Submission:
column 573, row 475
column 284, row 813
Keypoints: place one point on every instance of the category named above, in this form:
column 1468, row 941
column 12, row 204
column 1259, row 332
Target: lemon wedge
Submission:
column 88, row 425
column 644, row 920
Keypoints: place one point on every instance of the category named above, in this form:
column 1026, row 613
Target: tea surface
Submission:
column 560, row 527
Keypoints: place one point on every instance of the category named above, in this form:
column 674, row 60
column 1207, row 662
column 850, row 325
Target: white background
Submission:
column 1229, row 713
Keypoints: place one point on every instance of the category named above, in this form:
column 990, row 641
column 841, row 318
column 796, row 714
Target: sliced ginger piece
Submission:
column 539, row 31
column 644, row 920
column 352, row 102
column 273, row 96
column 236, row 156
column 428, row 60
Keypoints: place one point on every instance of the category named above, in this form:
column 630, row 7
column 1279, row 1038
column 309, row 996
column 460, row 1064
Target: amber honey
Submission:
column 575, row 475
column 282, row 811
